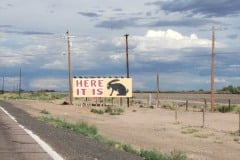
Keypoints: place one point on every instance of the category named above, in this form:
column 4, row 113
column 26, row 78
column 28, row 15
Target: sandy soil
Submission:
column 157, row 129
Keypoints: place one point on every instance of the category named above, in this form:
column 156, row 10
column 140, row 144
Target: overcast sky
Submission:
column 172, row 37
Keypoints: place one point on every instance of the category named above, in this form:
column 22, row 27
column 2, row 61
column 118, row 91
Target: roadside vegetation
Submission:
column 91, row 131
column 97, row 111
column 44, row 111
column 37, row 95
column 225, row 108
column 109, row 110
column 169, row 106
column 79, row 127
column 114, row 111
column 231, row 89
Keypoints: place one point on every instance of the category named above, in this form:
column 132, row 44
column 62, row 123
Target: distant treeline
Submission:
column 231, row 89
column 225, row 90
column 192, row 91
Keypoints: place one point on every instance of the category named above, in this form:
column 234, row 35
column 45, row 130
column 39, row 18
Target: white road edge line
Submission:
column 53, row 154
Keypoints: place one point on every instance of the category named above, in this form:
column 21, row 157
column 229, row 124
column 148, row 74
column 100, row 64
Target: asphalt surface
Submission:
column 70, row 145
column 16, row 144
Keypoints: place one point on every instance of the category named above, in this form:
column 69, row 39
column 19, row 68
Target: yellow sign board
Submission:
column 102, row 87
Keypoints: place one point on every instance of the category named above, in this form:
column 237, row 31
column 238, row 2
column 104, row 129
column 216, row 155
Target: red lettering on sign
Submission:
column 94, row 92
column 97, row 92
column 93, row 83
column 78, row 83
column 89, row 83
column 100, row 83
column 81, row 92
column 86, row 84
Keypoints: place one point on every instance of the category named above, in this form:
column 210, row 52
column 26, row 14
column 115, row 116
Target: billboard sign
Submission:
column 102, row 87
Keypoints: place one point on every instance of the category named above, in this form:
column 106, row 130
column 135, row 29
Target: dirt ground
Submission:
column 157, row 129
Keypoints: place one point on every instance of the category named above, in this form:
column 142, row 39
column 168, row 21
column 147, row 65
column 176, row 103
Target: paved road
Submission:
column 70, row 145
column 16, row 144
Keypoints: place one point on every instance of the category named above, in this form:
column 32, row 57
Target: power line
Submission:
column 26, row 55
column 133, row 54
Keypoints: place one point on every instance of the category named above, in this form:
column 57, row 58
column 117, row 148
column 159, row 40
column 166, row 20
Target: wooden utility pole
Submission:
column 212, row 71
column 203, row 121
column 20, row 82
column 3, row 85
column 158, row 89
column 69, row 70
column 127, row 64
column 239, row 121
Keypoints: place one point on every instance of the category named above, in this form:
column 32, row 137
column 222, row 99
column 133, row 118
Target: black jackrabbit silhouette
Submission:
column 120, row 88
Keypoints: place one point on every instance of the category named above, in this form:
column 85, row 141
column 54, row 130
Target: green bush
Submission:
column 176, row 155
column 115, row 111
column 108, row 110
column 97, row 111
column 224, row 108
column 169, row 106
column 44, row 111
column 129, row 149
column 85, row 129
column 150, row 155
